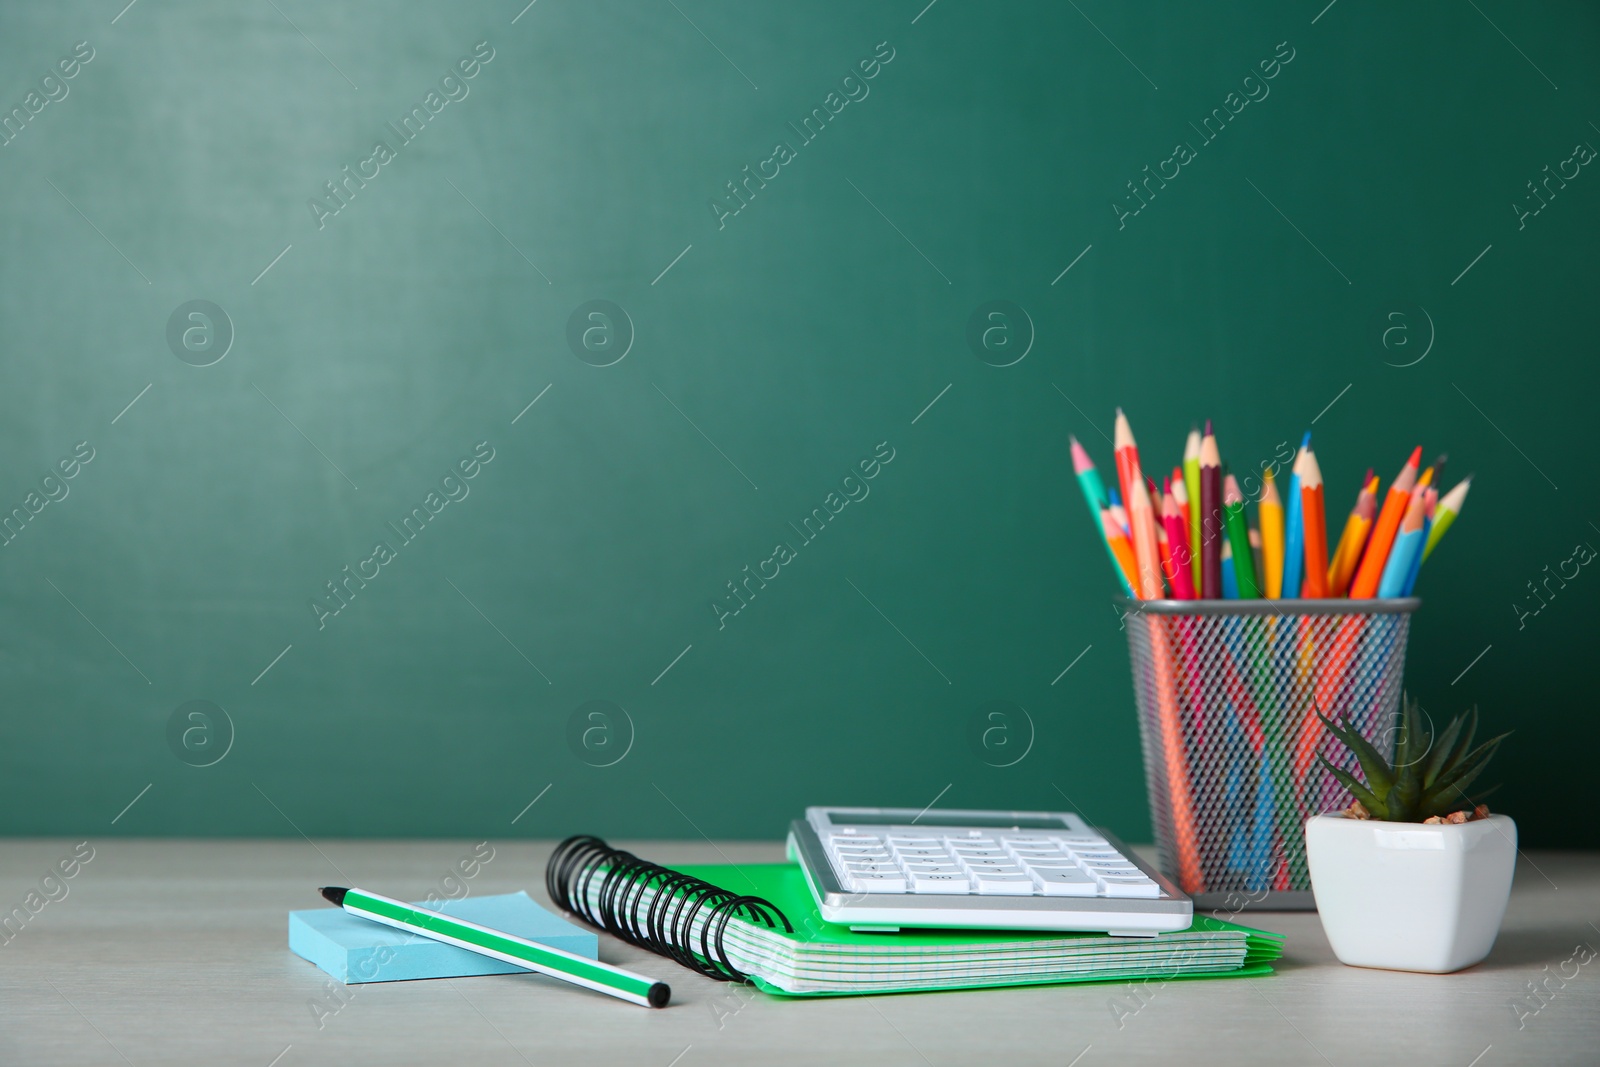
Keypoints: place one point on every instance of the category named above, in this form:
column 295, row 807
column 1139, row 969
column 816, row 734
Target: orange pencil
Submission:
column 1370, row 573
column 1342, row 548
column 1121, row 550
column 1146, row 549
column 1316, row 529
column 1356, row 528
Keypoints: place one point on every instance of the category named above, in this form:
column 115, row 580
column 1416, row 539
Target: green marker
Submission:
column 567, row 966
column 1244, row 566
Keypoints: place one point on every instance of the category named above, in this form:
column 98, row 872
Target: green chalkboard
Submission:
column 500, row 420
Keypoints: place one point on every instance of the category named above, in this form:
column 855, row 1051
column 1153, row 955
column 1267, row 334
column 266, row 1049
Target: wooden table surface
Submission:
column 174, row 952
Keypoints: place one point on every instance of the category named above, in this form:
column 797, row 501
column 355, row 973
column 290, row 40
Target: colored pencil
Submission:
column 1227, row 572
column 1211, row 536
column 1244, row 570
column 1408, row 541
column 1445, row 514
column 1430, row 503
column 1255, row 550
column 1370, row 574
column 1354, row 538
column 1270, row 514
column 1293, row 529
column 1126, row 452
column 1180, row 573
column 1180, row 494
column 1314, row 520
column 1121, row 550
column 1094, row 495
column 1163, row 546
column 1119, row 512
column 1146, row 549
column 1191, row 493
column 555, row 962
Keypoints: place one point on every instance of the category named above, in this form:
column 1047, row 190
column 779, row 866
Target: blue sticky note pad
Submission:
column 356, row 950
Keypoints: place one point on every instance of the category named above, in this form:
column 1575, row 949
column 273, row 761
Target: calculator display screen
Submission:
column 984, row 822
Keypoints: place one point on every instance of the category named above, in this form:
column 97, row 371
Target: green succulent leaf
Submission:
column 1466, row 770
column 1354, row 785
column 1439, row 756
column 1430, row 774
column 1406, row 742
column 1379, row 775
column 1403, row 798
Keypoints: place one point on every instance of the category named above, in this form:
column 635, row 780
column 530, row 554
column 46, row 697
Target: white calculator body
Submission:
column 887, row 868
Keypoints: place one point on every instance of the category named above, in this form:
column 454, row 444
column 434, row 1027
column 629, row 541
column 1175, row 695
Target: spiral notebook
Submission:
column 759, row 923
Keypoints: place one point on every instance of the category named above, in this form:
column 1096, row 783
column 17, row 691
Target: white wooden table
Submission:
column 174, row 952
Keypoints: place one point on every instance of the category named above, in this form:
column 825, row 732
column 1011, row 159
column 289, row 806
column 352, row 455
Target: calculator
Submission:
column 887, row 868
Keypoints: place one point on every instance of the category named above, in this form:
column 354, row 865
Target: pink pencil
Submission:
column 1181, row 575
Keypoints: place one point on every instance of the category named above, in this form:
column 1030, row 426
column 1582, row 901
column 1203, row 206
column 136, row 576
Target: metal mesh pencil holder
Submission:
column 1228, row 692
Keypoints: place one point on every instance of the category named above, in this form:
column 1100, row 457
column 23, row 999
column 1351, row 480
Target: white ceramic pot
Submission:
column 1408, row 896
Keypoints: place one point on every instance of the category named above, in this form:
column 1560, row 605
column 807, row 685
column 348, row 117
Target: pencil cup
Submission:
column 1228, row 693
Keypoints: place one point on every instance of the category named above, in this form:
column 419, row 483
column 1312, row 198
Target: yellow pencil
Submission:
column 1271, row 516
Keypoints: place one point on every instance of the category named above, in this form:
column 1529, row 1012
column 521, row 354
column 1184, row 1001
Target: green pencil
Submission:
column 1445, row 513
column 1239, row 537
column 567, row 966
column 1191, row 482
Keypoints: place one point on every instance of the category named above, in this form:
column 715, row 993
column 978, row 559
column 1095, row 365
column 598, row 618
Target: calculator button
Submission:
column 1051, row 865
column 980, row 853
column 1002, row 866
column 859, row 869
column 910, row 854
column 1128, row 887
column 1011, row 885
column 1073, row 883
column 939, row 883
column 877, row 884
column 935, row 868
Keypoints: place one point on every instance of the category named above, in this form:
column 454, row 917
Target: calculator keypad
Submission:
column 1003, row 864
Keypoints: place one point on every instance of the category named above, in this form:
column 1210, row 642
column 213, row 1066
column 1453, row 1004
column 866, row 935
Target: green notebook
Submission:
column 821, row 958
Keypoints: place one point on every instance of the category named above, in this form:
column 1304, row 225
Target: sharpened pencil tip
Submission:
column 334, row 894
column 1208, row 427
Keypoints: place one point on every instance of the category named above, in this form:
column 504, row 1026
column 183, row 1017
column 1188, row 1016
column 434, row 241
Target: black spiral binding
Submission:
column 666, row 926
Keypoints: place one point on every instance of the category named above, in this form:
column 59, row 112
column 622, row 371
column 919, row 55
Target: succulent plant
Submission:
column 1430, row 774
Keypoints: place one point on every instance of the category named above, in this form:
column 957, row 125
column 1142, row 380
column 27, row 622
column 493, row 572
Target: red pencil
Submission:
column 1127, row 456
column 1314, row 519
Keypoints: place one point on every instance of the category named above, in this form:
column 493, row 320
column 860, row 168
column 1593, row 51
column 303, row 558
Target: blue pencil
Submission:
column 1294, row 529
column 1429, row 502
column 1397, row 570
